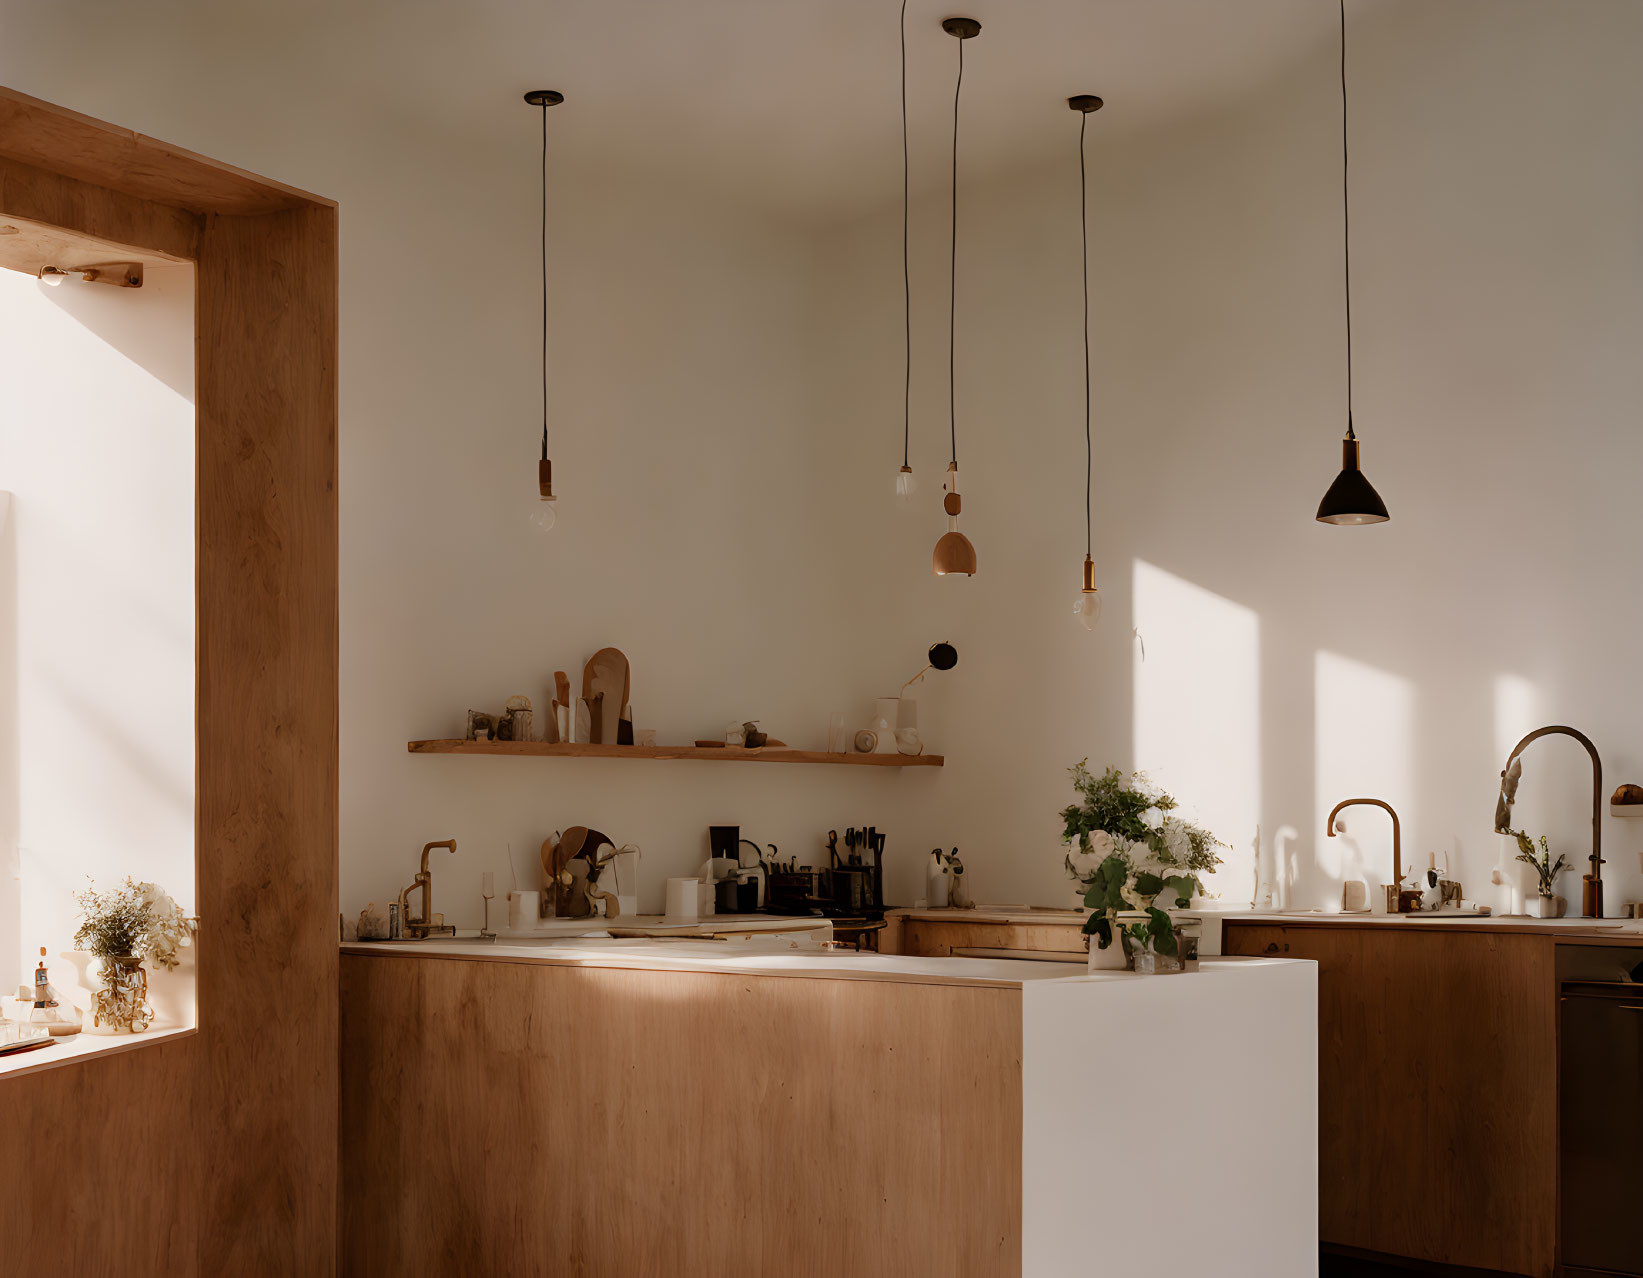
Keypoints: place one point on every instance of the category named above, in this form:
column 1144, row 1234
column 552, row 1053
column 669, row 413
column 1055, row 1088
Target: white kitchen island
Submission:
column 600, row 1107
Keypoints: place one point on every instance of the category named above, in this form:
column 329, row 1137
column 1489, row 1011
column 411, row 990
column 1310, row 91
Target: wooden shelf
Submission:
column 708, row 754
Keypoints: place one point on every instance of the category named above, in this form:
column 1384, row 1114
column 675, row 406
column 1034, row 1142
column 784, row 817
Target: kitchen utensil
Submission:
column 561, row 698
column 833, row 849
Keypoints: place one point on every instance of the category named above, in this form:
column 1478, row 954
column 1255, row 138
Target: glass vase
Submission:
column 120, row 1004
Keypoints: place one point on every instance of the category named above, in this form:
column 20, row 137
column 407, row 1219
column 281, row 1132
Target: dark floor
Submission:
column 1330, row 1266
column 1343, row 1267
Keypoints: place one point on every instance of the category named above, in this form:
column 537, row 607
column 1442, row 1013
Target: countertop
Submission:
column 1608, row 931
column 1577, row 931
column 755, row 957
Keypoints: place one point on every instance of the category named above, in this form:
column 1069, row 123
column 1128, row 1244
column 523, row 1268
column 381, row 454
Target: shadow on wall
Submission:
column 166, row 306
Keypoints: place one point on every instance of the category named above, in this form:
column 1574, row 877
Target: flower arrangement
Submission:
column 1127, row 851
column 1545, row 867
column 137, row 919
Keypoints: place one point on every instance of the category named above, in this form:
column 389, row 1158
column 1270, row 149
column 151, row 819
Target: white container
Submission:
column 884, row 724
column 940, row 880
column 523, row 911
column 684, row 899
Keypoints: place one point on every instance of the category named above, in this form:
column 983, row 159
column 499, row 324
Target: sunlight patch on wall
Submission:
column 1198, row 712
column 1365, row 734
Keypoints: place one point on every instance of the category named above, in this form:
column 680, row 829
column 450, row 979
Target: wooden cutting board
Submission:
column 606, row 672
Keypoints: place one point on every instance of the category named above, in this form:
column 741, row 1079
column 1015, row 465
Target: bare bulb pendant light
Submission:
column 543, row 517
column 1087, row 603
column 906, row 482
column 954, row 554
column 1351, row 499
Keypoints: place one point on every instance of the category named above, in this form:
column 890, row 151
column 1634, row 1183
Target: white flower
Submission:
column 1102, row 845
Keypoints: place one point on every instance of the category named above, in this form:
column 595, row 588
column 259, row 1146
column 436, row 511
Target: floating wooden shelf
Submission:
column 709, row 754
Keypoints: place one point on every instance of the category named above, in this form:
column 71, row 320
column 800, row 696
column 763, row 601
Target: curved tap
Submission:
column 1591, row 904
column 1397, row 835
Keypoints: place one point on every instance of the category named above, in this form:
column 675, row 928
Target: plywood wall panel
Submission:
column 524, row 1119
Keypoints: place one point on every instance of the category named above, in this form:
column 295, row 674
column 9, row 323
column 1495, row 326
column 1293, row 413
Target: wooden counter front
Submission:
column 533, row 1119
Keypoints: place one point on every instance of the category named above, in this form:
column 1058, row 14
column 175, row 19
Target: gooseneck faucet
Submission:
column 418, row 927
column 1591, row 885
column 1394, row 900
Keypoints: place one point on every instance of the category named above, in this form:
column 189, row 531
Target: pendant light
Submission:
column 906, row 482
column 1351, row 499
column 1087, row 603
column 954, row 554
column 543, row 517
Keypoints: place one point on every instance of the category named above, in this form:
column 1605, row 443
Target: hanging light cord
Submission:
column 952, row 285
column 544, row 281
column 906, row 269
column 1084, row 235
column 1346, row 224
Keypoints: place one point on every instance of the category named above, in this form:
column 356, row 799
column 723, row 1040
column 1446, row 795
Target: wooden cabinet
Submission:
column 943, row 934
column 1437, row 1089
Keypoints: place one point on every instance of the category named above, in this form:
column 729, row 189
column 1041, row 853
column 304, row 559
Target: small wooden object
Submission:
column 606, row 676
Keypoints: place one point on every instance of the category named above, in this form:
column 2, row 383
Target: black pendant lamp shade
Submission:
column 1351, row 499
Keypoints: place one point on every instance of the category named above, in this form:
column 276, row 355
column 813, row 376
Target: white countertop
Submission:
column 761, row 956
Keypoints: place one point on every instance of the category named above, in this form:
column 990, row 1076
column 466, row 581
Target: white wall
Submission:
column 727, row 411
column 96, row 600
column 1288, row 664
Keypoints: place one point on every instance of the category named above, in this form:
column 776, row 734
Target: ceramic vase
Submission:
column 171, row 991
column 885, row 712
column 1111, row 959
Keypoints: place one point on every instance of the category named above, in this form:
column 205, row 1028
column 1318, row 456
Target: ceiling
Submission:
column 801, row 101
column 794, row 105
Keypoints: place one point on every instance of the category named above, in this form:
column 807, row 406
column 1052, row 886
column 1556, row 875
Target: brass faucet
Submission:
column 1394, row 895
column 1591, row 885
column 421, row 927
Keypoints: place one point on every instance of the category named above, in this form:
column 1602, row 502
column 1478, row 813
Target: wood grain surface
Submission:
column 529, row 1120
column 728, row 754
column 1437, row 1090
column 216, row 1154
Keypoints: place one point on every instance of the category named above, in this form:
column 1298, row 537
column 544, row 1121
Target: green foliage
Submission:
column 1545, row 868
column 1111, row 805
column 1142, row 853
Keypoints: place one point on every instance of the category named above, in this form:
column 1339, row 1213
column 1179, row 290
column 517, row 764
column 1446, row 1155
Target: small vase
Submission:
column 171, row 991
column 120, row 1005
column 885, row 712
column 1111, row 959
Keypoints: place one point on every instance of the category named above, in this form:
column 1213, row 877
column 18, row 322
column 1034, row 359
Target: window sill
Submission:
column 83, row 1047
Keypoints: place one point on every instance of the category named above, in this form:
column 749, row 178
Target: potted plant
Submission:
column 1546, row 905
column 1129, row 853
column 122, row 927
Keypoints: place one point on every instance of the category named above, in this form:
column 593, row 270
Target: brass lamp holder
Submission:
column 544, row 479
column 1089, row 587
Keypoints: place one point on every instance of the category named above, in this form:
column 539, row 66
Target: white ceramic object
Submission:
column 1110, row 959
column 171, row 991
column 683, row 899
column 524, row 910
column 883, row 726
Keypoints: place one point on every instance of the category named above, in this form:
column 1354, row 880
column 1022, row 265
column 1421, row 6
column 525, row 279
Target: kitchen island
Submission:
column 627, row 1107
